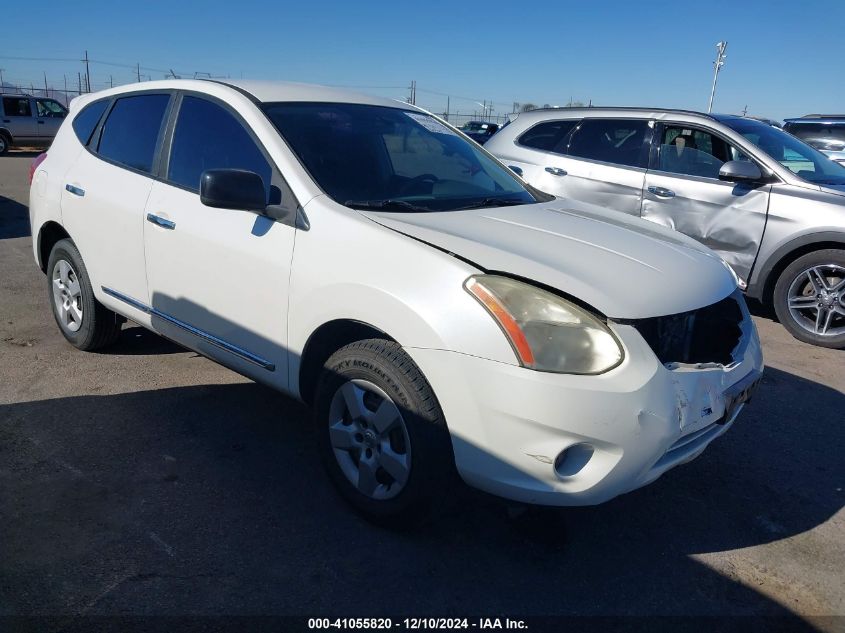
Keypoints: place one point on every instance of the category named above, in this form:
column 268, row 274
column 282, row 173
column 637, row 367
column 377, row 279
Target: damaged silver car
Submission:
column 772, row 206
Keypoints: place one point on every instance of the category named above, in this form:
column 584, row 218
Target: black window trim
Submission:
column 297, row 220
column 645, row 150
column 164, row 142
column 768, row 177
column 94, row 141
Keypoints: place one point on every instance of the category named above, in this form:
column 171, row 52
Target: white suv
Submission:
column 362, row 255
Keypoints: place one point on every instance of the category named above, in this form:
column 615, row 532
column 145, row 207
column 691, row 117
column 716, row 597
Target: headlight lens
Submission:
column 546, row 332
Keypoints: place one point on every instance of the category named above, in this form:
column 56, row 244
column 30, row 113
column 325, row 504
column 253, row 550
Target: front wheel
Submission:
column 381, row 433
column 809, row 298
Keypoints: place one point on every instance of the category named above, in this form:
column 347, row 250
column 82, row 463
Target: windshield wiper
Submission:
column 492, row 202
column 384, row 205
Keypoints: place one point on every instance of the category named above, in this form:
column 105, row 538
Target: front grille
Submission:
column 707, row 335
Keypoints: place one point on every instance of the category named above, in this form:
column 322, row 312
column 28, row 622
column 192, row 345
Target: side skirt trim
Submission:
column 202, row 334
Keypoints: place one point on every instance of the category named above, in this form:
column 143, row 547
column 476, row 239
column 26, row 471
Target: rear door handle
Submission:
column 40, row 122
column 159, row 221
column 661, row 192
column 77, row 191
column 556, row 171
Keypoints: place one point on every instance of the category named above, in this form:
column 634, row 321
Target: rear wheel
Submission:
column 809, row 298
column 381, row 432
column 4, row 144
column 84, row 321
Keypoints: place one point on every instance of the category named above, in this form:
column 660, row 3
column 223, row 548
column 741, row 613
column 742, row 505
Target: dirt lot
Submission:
column 148, row 480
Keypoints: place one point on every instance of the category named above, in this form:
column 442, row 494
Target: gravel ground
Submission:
column 148, row 480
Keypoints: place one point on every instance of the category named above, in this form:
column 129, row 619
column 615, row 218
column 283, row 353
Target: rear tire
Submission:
column 809, row 298
column 5, row 144
column 84, row 321
column 381, row 433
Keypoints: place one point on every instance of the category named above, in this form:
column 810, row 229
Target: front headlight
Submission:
column 546, row 332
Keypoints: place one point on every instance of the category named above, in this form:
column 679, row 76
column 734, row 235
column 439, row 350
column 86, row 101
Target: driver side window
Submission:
column 692, row 152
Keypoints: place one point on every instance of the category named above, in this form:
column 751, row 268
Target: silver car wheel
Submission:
column 67, row 295
column 816, row 299
column 369, row 439
column 3, row 144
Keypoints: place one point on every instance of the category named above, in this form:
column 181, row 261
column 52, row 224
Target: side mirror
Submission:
column 233, row 189
column 516, row 170
column 740, row 171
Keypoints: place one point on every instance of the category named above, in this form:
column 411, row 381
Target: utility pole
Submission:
column 87, row 74
column 745, row 110
column 111, row 82
column 78, row 83
column 67, row 101
column 721, row 47
column 447, row 108
column 46, row 92
column 412, row 99
column 1, row 79
column 138, row 71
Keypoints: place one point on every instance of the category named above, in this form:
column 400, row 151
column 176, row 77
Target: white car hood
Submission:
column 625, row 267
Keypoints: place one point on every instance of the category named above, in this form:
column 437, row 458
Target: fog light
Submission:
column 573, row 459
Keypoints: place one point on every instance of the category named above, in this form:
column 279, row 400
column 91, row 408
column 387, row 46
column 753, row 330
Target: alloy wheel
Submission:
column 67, row 296
column 369, row 439
column 816, row 299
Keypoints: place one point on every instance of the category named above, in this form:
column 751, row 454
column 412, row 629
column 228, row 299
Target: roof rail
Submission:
column 622, row 109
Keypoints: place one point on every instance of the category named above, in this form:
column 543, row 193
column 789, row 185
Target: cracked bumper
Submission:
column 513, row 429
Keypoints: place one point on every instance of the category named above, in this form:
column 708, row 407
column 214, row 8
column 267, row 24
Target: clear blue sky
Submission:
column 784, row 58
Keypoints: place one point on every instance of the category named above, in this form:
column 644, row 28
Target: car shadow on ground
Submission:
column 136, row 340
column 14, row 219
column 210, row 499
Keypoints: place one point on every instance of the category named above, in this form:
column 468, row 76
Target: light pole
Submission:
column 721, row 47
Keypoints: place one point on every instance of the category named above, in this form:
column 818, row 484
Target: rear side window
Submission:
column 131, row 130
column 209, row 137
column 85, row 122
column 617, row 141
column 548, row 136
column 17, row 106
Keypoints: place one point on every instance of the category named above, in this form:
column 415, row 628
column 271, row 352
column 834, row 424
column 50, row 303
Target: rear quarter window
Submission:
column 87, row 119
column 547, row 136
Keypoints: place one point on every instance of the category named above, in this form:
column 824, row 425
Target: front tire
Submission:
column 381, row 433
column 809, row 298
column 84, row 321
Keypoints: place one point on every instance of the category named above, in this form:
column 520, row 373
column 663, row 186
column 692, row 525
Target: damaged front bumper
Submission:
column 556, row 439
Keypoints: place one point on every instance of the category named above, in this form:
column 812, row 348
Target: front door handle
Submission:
column 158, row 221
column 661, row 192
column 556, row 171
column 77, row 191
column 40, row 122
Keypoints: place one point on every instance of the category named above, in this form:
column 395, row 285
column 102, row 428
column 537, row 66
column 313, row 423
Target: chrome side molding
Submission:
column 202, row 334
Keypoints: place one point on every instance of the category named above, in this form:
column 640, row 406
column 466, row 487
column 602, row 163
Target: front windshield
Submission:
column 806, row 162
column 366, row 156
